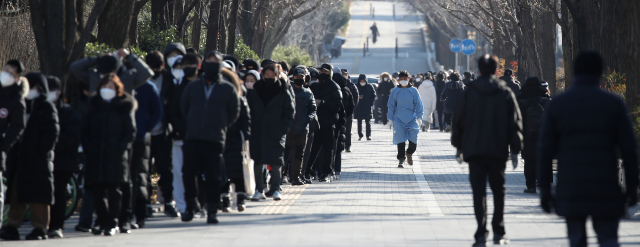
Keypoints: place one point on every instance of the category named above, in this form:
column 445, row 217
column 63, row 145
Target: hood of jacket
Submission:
column 124, row 104
column 340, row 79
column 455, row 85
column 362, row 77
column 488, row 85
column 39, row 81
column 282, row 84
column 427, row 84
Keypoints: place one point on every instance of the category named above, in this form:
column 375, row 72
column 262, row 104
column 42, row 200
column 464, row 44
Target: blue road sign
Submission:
column 455, row 45
column 468, row 47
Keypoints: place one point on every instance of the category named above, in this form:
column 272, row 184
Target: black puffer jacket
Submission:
column 66, row 158
column 487, row 121
column 107, row 134
column 531, row 97
column 270, row 123
column 588, row 130
column 512, row 83
column 12, row 112
column 347, row 99
column 34, row 167
column 239, row 131
column 439, row 85
column 364, row 109
column 452, row 91
column 330, row 94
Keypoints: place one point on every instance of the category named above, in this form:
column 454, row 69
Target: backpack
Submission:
column 534, row 115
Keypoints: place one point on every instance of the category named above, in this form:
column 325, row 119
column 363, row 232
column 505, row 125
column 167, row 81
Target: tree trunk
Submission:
column 232, row 26
column 530, row 63
column 567, row 45
column 133, row 27
column 113, row 24
column 158, row 17
column 213, row 27
column 223, row 26
column 196, row 29
column 546, row 32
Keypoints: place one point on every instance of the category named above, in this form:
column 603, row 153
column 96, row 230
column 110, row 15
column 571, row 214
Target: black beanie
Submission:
column 54, row 83
column 16, row 63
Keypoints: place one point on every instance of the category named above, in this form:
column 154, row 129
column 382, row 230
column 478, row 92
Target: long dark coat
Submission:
column 66, row 152
column 587, row 129
column 107, row 134
column 270, row 123
column 364, row 108
column 233, row 153
column 33, row 168
column 12, row 111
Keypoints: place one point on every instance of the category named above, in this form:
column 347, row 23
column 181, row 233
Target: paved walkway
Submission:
column 373, row 204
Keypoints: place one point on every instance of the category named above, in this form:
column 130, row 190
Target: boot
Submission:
column 296, row 172
column 36, row 234
column 211, row 215
column 9, row 233
column 226, row 202
column 241, row 205
column 409, row 159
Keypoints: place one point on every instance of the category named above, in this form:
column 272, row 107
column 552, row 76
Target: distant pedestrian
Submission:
column 374, row 32
column 385, row 85
column 511, row 82
column 486, row 127
column 588, row 130
column 364, row 111
column 453, row 90
column 429, row 101
column 440, row 85
column 467, row 77
column 533, row 100
column 406, row 111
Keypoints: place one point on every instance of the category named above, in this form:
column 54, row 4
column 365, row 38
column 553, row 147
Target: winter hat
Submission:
column 362, row 77
column 327, row 66
column 17, row 64
column 234, row 60
column 173, row 47
column 313, row 72
column 107, row 64
column 508, row 72
column 53, row 83
column 266, row 62
column 251, row 72
column 251, row 64
column 395, row 75
column 38, row 80
column 532, row 82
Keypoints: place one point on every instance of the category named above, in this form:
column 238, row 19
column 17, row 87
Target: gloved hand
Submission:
column 546, row 200
column 514, row 160
column 459, row 156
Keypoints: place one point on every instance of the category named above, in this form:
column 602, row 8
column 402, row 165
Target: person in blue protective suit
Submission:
column 405, row 110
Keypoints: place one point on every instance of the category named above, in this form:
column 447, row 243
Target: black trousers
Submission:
column 108, row 204
column 448, row 117
column 383, row 105
column 160, row 159
column 140, row 178
column 322, row 151
column 605, row 227
column 530, row 172
column 347, row 140
column 306, row 160
column 206, row 157
column 441, row 120
column 368, row 127
column 294, row 153
column 239, row 182
column 60, row 181
column 479, row 169
column 410, row 150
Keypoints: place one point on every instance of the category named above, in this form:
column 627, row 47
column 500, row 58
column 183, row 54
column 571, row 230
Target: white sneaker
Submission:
column 257, row 196
column 276, row 196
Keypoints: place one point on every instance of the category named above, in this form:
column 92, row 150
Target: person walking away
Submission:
column 13, row 89
column 440, row 86
column 161, row 144
column 210, row 105
column 296, row 139
column 354, row 91
column 148, row 115
column 272, row 114
column 533, row 100
column 131, row 78
column 385, row 86
column 467, row 77
column 406, row 111
column 374, row 32
column 329, row 103
column 65, row 161
column 429, row 101
column 30, row 165
column 486, row 127
column 107, row 135
column 183, row 71
column 511, row 82
column 453, row 90
column 598, row 134
column 344, row 113
column 364, row 109
column 234, row 152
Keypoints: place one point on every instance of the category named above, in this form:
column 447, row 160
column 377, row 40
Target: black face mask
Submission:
column 324, row 77
column 211, row 71
column 270, row 80
column 298, row 82
column 189, row 71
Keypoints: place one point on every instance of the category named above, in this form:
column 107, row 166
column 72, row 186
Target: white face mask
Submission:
column 363, row 83
column 386, row 79
column 249, row 85
column 172, row 60
column 33, row 93
column 53, row 96
column 6, row 79
column 107, row 93
column 177, row 73
column 404, row 83
column 418, row 79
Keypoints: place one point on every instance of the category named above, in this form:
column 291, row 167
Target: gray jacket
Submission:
column 208, row 119
column 84, row 70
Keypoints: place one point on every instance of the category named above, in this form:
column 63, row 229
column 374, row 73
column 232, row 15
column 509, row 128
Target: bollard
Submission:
column 364, row 49
column 373, row 13
column 396, row 47
column 394, row 11
column 370, row 8
column 367, row 43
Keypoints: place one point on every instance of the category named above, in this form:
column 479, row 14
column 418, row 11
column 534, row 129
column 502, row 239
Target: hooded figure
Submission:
column 385, row 86
column 30, row 166
column 513, row 84
column 429, row 101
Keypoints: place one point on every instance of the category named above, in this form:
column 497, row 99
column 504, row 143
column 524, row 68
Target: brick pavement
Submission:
column 373, row 204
